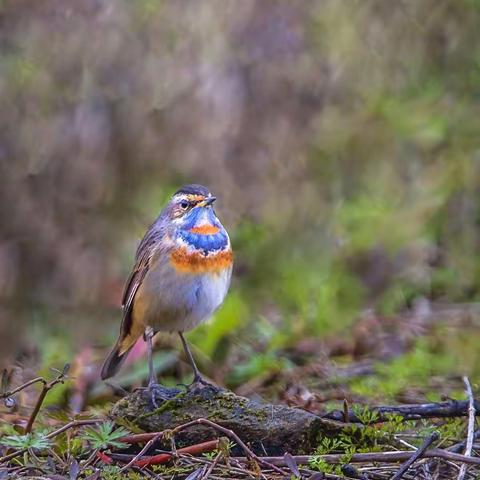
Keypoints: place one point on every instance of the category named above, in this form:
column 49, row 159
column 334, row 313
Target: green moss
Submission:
column 166, row 406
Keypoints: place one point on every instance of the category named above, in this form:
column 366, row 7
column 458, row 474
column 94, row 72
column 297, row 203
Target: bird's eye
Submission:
column 184, row 204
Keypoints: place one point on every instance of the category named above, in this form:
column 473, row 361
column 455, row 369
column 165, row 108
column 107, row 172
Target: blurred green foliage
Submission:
column 412, row 370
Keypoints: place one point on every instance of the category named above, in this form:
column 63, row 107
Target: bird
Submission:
column 181, row 276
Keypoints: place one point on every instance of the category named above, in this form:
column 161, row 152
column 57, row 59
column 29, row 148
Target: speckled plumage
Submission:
column 181, row 275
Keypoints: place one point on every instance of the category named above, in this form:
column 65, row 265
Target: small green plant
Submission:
column 328, row 445
column 66, row 446
column 171, row 470
column 453, row 429
column 356, row 439
column 37, row 441
column 110, row 472
column 317, row 463
column 364, row 414
column 224, row 447
column 105, row 436
column 395, row 424
column 211, row 455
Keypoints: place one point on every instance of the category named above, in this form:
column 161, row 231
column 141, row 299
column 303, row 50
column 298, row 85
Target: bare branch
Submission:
column 416, row 455
column 47, row 386
column 22, row 387
column 471, row 426
column 386, row 457
column 452, row 408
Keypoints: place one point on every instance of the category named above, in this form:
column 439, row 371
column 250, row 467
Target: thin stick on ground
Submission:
column 471, row 426
column 237, row 469
column 160, row 458
column 22, row 387
column 203, row 421
column 416, row 455
column 211, row 467
column 89, row 460
column 385, row 457
column 240, row 443
column 458, row 447
column 138, row 437
column 449, row 409
column 47, row 386
column 141, row 452
column 73, row 424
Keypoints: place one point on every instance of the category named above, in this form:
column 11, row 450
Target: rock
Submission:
column 274, row 429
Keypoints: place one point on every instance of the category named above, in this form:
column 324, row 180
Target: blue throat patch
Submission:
column 202, row 241
column 207, row 243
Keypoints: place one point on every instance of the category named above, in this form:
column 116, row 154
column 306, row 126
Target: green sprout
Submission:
column 37, row 441
column 105, row 436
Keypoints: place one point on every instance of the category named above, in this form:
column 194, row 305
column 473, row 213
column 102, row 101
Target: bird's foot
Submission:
column 159, row 393
column 199, row 382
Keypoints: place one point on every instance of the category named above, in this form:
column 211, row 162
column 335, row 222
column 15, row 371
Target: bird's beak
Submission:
column 206, row 202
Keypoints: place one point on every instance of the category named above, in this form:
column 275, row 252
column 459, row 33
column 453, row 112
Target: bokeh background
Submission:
column 341, row 138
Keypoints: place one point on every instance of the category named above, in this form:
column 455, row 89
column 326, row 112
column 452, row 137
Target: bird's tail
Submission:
column 115, row 359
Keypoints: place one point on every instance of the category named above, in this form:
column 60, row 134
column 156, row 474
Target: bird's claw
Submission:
column 197, row 382
column 200, row 382
column 159, row 392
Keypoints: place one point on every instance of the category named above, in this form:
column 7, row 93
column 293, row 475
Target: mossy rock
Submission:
column 274, row 429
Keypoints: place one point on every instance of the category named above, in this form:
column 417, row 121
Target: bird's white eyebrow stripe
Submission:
column 191, row 197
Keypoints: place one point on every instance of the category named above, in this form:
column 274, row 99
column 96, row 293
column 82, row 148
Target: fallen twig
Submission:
column 47, row 386
column 471, row 427
column 142, row 461
column 416, row 455
column 138, row 437
column 236, row 439
column 73, row 424
column 227, row 468
column 452, row 408
column 458, row 447
column 386, row 457
column 142, row 437
column 134, row 460
column 22, row 387
column 211, row 467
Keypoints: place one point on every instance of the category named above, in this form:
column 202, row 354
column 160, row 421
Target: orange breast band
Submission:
column 205, row 230
column 196, row 262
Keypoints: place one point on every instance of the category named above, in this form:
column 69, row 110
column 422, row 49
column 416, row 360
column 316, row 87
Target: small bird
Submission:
column 182, row 273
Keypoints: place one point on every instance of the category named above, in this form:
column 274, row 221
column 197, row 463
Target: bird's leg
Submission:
column 148, row 336
column 156, row 390
column 197, row 377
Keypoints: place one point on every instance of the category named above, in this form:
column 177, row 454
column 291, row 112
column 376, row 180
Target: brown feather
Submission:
column 130, row 333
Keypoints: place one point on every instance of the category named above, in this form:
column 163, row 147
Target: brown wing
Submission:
column 129, row 333
column 145, row 252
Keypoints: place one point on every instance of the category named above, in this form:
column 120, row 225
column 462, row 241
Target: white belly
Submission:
column 210, row 293
column 181, row 302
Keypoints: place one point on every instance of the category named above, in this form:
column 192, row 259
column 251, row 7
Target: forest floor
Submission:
column 395, row 385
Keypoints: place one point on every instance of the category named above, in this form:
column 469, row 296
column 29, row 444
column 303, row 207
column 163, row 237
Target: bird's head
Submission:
column 191, row 206
column 193, row 220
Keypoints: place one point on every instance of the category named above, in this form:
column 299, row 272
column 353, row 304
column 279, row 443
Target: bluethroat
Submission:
column 181, row 275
